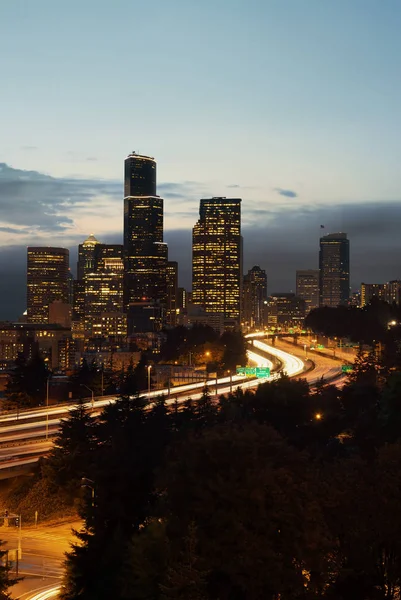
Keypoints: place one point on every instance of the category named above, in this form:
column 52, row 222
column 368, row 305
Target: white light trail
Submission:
column 47, row 594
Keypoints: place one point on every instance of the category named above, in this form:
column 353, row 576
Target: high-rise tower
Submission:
column 47, row 281
column 334, row 280
column 216, row 257
column 307, row 287
column 145, row 254
column 254, row 298
column 86, row 256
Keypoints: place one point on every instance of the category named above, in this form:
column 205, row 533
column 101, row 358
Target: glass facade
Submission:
column 334, row 279
column 145, row 253
column 308, row 288
column 216, row 257
column 254, row 297
column 86, row 256
column 47, row 281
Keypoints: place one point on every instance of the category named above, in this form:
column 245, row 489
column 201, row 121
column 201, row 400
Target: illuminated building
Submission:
column 285, row 311
column 103, row 294
column 145, row 254
column 47, row 281
column 334, row 279
column 308, row 288
column 78, row 303
column 60, row 313
column 254, row 297
column 172, row 293
column 370, row 291
column 108, row 257
column 216, row 257
column 389, row 292
column 393, row 291
column 86, row 257
column 182, row 298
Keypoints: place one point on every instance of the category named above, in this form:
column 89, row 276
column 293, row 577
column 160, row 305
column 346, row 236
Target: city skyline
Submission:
column 306, row 132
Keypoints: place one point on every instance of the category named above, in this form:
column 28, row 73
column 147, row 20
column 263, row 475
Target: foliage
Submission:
column 26, row 385
column 6, row 581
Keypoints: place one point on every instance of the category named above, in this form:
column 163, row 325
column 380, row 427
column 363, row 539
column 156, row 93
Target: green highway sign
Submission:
column 347, row 368
column 240, row 370
column 262, row 372
column 250, row 371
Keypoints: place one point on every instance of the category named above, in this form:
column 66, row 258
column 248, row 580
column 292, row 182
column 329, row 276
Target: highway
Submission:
column 22, row 441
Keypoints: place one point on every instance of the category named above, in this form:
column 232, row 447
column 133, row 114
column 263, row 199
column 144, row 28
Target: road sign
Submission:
column 240, row 370
column 250, row 371
column 347, row 368
column 262, row 372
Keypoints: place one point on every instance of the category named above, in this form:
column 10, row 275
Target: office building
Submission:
column 307, row 287
column 172, row 292
column 372, row 290
column 108, row 257
column 47, row 281
column 254, row 299
column 217, row 257
column 285, row 311
column 334, row 277
column 103, row 294
column 86, row 257
column 145, row 254
column 393, row 291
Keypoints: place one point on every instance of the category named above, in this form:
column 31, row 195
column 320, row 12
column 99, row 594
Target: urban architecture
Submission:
column 285, row 311
column 47, row 281
column 172, row 293
column 334, row 271
column 254, row 299
column 217, row 258
column 145, row 254
column 86, row 257
column 389, row 292
column 307, row 287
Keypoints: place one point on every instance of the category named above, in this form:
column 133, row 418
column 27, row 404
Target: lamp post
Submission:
column 89, row 483
column 47, row 406
column 91, row 391
column 231, row 381
column 149, row 368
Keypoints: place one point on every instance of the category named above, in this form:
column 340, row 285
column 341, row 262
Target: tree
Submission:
column 185, row 578
column 6, row 581
column 26, row 385
column 252, row 499
column 72, row 454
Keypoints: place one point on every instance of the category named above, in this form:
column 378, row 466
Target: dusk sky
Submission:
column 292, row 105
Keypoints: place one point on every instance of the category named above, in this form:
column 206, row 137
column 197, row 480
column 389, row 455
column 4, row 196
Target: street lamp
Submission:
column 231, row 381
column 149, row 368
column 89, row 483
column 91, row 391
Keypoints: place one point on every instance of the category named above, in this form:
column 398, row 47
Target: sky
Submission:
column 292, row 105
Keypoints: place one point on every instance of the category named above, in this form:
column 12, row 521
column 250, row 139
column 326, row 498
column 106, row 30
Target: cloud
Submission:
column 11, row 230
column 29, row 148
column 33, row 202
column 286, row 193
column 233, row 185
column 91, row 159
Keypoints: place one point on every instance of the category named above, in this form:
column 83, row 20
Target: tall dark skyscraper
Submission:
column 145, row 253
column 217, row 257
column 334, row 278
column 47, row 281
column 254, row 298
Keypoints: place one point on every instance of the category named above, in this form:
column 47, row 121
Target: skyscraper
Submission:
column 47, row 281
column 216, row 257
column 172, row 292
column 145, row 254
column 86, row 256
column 334, row 279
column 254, row 298
column 307, row 287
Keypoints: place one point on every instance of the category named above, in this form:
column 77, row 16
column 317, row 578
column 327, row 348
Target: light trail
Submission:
column 52, row 592
column 292, row 365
